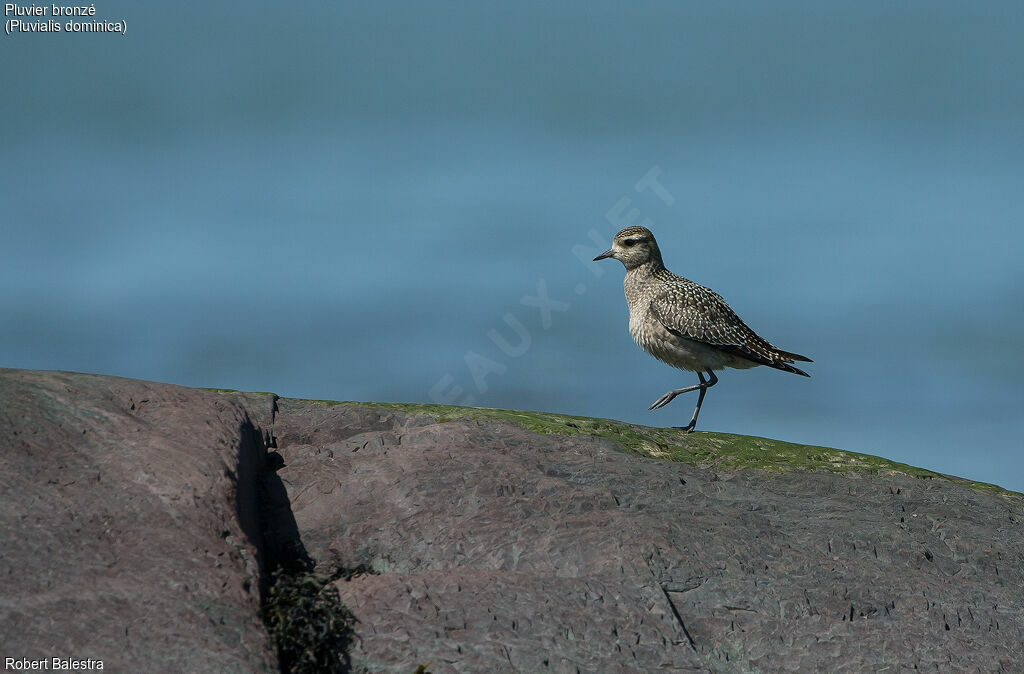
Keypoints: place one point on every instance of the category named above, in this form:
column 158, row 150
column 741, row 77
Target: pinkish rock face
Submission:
column 135, row 516
column 120, row 529
column 498, row 549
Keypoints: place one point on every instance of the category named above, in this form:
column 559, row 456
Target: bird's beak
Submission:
column 607, row 253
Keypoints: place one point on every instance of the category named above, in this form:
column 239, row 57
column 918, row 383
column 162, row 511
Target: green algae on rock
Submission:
column 722, row 451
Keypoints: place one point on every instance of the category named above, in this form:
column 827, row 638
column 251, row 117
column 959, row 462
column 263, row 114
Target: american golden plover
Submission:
column 684, row 324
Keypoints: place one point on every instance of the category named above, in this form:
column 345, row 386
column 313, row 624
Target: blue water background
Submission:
column 342, row 200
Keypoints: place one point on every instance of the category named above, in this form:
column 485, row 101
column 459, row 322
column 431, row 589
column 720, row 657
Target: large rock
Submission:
column 121, row 526
column 137, row 519
column 498, row 549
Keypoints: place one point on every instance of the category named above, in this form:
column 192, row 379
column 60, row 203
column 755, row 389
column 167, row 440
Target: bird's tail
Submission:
column 787, row 357
column 794, row 356
column 767, row 355
column 786, row 367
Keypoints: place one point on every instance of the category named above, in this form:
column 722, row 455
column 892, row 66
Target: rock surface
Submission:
column 498, row 549
column 121, row 534
column 490, row 547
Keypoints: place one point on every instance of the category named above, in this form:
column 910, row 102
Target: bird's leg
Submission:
column 670, row 396
column 693, row 422
column 702, row 387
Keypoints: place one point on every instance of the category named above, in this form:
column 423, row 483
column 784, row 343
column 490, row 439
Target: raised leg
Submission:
column 700, row 399
column 702, row 387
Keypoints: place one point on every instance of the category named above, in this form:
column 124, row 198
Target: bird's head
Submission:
column 633, row 247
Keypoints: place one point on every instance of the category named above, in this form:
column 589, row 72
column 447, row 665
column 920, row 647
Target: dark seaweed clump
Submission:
column 311, row 627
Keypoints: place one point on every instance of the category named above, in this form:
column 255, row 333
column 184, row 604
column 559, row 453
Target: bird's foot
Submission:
column 671, row 395
column 663, row 400
column 686, row 429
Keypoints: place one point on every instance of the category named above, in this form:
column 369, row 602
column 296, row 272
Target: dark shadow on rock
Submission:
column 302, row 611
column 248, row 501
column 282, row 542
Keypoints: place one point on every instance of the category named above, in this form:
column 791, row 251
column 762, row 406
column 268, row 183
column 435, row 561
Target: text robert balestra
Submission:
column 51, row 664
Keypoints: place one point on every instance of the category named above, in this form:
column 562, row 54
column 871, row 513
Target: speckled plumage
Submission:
column 684, row 324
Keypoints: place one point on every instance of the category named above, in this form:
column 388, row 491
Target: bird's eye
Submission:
column 629, row 242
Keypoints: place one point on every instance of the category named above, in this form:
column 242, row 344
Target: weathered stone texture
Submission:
column 120, row 531
column 135, row 515
column 499, row 550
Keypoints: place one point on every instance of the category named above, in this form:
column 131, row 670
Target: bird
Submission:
column 685, row 324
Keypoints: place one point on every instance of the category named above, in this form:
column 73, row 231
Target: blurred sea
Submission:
column 345, row 200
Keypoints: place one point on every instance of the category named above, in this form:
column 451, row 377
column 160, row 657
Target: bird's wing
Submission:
column 698, row 313
column 694, row 312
